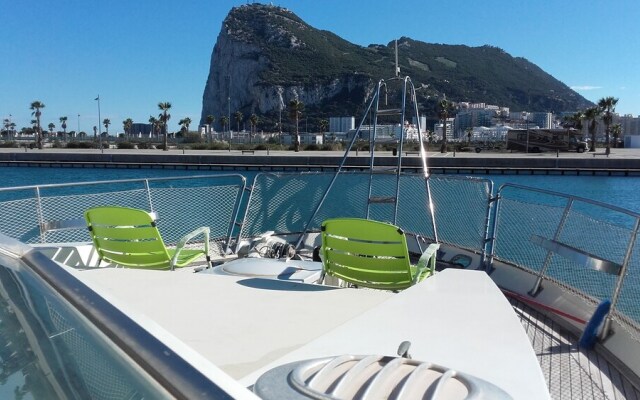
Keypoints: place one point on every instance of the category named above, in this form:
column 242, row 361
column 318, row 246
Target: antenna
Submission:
column 397, row 67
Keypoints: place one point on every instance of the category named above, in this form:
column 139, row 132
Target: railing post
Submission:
column 537, row 286
column 623, row 271
column 487, row 243
column 148, row 189
column 40, row 215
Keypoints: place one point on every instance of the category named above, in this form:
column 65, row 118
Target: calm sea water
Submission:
column 616, row 190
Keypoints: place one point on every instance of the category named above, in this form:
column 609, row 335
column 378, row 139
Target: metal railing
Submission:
column 55, row 213
column 586, row 247
column 287, row 203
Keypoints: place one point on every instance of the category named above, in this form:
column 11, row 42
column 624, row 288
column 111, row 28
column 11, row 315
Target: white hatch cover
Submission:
column 372, row 377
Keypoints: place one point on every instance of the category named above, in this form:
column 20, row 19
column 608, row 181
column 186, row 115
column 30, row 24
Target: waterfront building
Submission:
column 437, row 128
column 341, row 124
column 423, row 122
column 141, row 130
column 630, row 125
column 541, row 119
column 386, row 132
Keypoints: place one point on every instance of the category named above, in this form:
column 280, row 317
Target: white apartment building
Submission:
column 341, row 124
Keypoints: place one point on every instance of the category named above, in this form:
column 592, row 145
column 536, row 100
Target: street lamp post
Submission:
column 78, row 131
column 229, row 109
column 525, row 116
column 99, row 122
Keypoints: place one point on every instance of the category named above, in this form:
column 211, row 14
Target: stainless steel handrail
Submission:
column 571, row 199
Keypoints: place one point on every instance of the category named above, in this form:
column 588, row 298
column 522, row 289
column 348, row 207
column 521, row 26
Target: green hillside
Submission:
column 298, row 54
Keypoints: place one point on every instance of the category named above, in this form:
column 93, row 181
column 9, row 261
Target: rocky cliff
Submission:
column 266, row 56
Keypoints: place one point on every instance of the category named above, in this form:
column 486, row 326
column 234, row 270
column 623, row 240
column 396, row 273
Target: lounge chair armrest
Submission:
column 427, row 261
column 203, row 230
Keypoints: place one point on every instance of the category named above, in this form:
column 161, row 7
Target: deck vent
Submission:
column 371, row 377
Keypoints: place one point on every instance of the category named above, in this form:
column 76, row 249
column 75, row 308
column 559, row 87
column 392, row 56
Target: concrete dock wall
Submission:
column 463, row 163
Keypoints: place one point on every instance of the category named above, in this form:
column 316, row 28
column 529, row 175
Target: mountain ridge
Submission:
column 266, row 55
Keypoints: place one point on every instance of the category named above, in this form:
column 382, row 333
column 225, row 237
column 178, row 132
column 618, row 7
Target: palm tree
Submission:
column 106, row 122
column 6, row 124
column 63, row 124
column 36, row 106
column 324, row 124
column 51, row 128
column 592, row 114
column 443, row 108
column 164, row 118
column 573, row 121
column 154, row 123
column 238, row 116
column 187, row 122
column 296, row 107
column 224, row 120
column 210, row 119
column 616, row 131
column 126, row 125
column 253, row 120
column 607, row 106
column 12, row 129
column 184, row 122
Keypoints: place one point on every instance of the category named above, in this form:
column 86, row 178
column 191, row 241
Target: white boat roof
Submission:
column 246, row 326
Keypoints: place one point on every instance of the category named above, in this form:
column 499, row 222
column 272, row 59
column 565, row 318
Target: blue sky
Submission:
column 137, row 53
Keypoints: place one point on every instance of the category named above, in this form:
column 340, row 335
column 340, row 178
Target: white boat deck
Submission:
column 245, row 326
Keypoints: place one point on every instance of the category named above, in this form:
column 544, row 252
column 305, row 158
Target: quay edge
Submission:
column 498, row 163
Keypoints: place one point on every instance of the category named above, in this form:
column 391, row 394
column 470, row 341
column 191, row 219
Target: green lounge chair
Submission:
column 372, row 254
column 129, row 237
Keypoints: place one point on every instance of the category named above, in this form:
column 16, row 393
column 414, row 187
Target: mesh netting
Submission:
column 284, row 203
column 595, row 229
column 461, row 208
column 97, row 374
column 182, row 205
column 19, row 220
column 181, row 210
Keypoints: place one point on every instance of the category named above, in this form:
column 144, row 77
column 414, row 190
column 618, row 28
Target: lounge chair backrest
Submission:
column 127, row 236
column 366, row 253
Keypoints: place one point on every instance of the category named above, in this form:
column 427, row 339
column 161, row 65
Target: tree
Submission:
column 607, row 106
column 296, row 107
column 51, row 128
column 443, row 108
column 573, row 121
column 616, row 131
column 185, row 122
column 324, row 124
column 592, row 114
column 210, row 119
column 126, row 126
column 63, row 124
column 106, row 122
column 238, row 116
column 153, row 121
column 253, row 121
column 224, row 120
column 36, row 106
column 164, row 118
column 7, row 124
